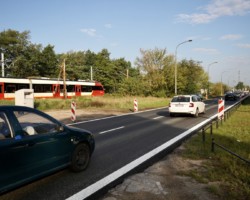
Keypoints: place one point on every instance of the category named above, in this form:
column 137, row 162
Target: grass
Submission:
column 231, row 175
column 106, row 102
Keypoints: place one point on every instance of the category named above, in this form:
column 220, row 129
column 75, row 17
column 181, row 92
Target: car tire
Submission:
column 196, row 112
column 80, row 158
column 171, row 114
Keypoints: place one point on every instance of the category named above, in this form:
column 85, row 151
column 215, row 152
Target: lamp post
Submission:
column 209, row 76
column 175, row 69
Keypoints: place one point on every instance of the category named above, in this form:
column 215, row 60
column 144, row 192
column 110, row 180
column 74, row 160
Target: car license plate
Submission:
column 179, row 105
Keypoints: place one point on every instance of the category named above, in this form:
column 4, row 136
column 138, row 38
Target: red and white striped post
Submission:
column 221, row 109
column 135, row 105
column 73, row 111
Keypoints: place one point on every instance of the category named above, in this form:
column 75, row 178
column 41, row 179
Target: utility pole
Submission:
column 64, row 81
column 91, row 73
column 2, row 61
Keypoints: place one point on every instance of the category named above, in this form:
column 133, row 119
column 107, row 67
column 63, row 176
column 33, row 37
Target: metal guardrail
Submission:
column 227, row 113
column 229, row 151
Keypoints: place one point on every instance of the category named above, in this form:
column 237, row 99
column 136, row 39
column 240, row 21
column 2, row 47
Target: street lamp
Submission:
column 175, row 68
column 209, row 76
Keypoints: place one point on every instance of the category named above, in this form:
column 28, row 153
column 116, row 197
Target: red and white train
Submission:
column 49, row 88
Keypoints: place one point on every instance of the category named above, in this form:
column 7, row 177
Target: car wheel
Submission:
column 80, row 157
column 196, row 113
column 171, row 114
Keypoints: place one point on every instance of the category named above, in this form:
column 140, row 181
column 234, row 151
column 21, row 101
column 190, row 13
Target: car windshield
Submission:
column 181, row 99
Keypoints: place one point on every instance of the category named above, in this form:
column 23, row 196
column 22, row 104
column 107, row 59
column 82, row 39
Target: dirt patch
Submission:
column 162, row 181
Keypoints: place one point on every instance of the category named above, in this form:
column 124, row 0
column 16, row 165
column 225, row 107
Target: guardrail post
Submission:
column 212, row 147
column 211, row 128
column 203, row 135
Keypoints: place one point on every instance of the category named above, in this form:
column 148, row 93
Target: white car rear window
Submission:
column 181, row 99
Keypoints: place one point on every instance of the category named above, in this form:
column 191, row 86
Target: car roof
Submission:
column 16, row 107
column 185, row 95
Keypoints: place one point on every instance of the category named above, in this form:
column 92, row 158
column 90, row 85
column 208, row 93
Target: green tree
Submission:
column 152, row 66
column 240, row 86
column 14, row 45
column 48, row 63
column 26, row 59
column 191, row 77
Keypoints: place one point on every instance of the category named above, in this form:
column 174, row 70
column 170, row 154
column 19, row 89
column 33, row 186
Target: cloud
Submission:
column 206, row 51
column 246, row 46
column 89, row 31
column 231, row 37
column 198, row 37
column 216, row 9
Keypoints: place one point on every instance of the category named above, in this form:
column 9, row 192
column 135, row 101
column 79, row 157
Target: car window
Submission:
column 33, row 124
column 5, row 131
column 181, row 99
column 194, row 99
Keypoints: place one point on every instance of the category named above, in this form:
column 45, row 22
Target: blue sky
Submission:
column 220, row 29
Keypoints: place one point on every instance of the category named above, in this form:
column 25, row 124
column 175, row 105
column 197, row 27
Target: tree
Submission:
column 154, row 65
column 27, row 59
column 48, row 63
column 240, row 86
column 14, row 44
column 191, row 77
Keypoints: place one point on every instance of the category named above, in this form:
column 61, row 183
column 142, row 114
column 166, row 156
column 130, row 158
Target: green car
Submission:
column 33, row 144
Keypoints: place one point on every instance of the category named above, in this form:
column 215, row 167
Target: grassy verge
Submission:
column 107, row 102
column 226, row 175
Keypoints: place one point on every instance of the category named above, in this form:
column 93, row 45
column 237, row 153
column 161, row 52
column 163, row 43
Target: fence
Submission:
column 218, row 122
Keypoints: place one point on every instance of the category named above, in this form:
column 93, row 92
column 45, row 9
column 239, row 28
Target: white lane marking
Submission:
column 114, row 129
column 158, row 117
column 116, row 116
column 125, row 169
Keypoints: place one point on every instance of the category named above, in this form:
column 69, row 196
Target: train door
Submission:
column 78, row 90
column 56, row 90
column 1, row 90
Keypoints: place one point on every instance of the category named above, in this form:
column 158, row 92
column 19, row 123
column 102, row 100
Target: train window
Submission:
column 97, row 88
column 38, row 88
column 47, row 88
column 70, row 88
column 10, row 88
column 22, row 86
column 86, row 88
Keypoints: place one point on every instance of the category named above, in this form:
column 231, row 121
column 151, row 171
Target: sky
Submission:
column 219, row 29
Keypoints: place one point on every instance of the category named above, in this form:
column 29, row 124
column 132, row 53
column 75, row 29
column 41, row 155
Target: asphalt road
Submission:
column 119, row 140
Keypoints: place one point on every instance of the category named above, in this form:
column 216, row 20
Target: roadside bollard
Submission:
column 221, row 109
column 135, row 105
column 73, row 111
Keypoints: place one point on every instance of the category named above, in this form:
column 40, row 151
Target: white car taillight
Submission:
column 191, row 105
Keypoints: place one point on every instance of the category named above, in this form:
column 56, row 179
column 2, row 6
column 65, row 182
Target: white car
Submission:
column 186, row 104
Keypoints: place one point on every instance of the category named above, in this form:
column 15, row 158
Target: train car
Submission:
column 49, row 88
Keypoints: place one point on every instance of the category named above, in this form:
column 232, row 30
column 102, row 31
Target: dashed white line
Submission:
column 158, row 117
column 114, row 129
